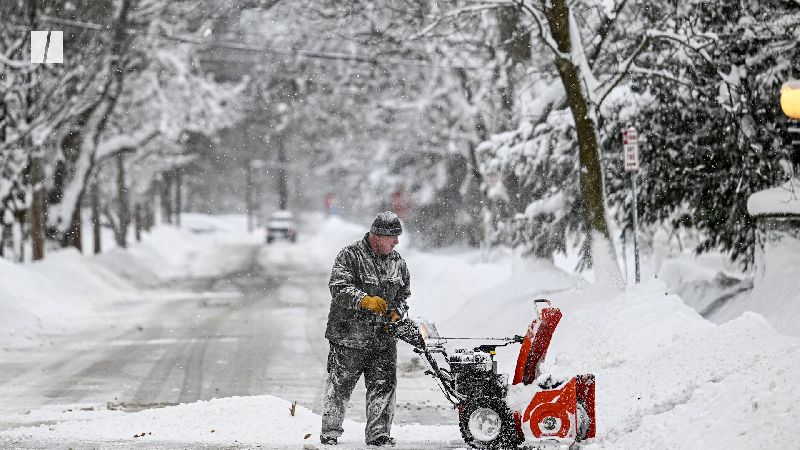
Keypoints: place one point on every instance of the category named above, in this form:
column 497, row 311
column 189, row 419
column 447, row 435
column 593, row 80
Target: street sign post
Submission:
column 630, row 144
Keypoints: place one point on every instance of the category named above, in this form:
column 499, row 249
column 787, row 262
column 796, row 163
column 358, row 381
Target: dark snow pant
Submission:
column 345, row 366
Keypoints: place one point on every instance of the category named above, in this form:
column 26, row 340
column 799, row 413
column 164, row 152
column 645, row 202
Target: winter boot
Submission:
column 328, row 440
column 383, row 441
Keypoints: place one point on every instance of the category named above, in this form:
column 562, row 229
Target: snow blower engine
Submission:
column 536, row 411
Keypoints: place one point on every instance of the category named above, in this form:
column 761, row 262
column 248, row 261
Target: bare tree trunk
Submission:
column 283, row 182
column 516, row 47
column 112, row 91
column 178, row 195
column 37, row 207
column 137, row 222
column 95, row 206
column 18, row 232
column 591, row 175
column 74, row 237
column 149, row 215
column 248, row 195
column 166, row 198
column 123, row 205
column 36, row 164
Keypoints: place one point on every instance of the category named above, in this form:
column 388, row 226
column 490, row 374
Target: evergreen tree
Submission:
column 708, row 105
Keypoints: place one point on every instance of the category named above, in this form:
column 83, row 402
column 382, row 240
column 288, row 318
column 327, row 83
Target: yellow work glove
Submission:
column 374, row 304
column 393, row 316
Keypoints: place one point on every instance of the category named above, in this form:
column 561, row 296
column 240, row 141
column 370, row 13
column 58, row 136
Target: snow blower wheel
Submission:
column 487, row 424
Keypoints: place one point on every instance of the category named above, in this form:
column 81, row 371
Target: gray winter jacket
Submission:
column 358, row 272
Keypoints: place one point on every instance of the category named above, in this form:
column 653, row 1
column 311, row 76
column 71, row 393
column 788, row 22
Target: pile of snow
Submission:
column 784, row 199
column 666, row 377
column 264, row 421
column 65, row 290
column 201, row 246
column 720, row 293
column 53, row 294
column 775, row 293
column 204, row 223
column 437, row 279
column 703, row 281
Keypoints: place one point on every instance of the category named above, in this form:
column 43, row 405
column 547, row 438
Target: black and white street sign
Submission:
column 630, row 143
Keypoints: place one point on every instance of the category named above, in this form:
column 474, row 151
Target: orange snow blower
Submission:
column 534, row 411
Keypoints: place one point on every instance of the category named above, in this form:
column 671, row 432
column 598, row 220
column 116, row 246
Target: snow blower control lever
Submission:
column 559, row 411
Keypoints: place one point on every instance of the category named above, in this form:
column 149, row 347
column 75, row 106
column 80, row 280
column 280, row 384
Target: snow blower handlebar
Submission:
column 408, row 331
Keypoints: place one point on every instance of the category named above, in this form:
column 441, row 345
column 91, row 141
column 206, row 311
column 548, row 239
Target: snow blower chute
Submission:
column 534, row 411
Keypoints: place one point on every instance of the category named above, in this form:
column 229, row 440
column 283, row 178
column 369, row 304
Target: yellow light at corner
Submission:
column 790, row 99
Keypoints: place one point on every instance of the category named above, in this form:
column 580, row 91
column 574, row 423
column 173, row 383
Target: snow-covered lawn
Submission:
column 666, row 377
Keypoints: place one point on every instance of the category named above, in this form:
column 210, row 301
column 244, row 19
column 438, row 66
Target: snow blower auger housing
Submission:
column 535, row 411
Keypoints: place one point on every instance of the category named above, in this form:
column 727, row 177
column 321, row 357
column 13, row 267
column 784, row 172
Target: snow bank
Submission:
column 263, row 421
column 709, row 285
column 200, row 247
column 666, row 377
column 728, row 386
column 784, row 199
column 64, row 290
column 775, row 294
column 53, row 294
column 437, row 279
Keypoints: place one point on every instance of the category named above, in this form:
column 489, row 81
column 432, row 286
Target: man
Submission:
column 369, row 287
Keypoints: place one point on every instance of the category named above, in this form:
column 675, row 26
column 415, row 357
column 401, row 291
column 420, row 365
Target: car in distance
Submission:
column 281, row 225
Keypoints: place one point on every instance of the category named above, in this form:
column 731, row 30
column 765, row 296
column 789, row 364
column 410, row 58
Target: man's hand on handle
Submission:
column 375, row 304
column 393, row 316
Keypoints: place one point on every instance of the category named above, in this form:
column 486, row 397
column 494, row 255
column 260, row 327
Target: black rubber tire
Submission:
column 507, row 439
